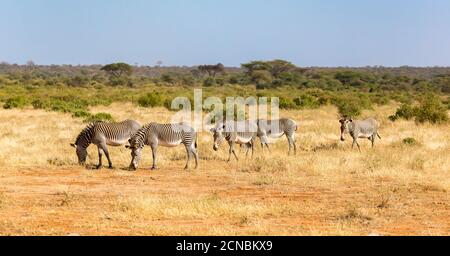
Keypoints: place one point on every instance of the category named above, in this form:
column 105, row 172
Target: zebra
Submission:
column 235, row 132
column 102, row 134
column 167, row 135
column 276, row 129
column 360, row 129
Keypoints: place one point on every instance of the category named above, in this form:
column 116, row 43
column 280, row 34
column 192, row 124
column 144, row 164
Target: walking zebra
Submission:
column 166, row 135
column 102, row 134
column 276, row 129
column 235, row 132
column 360, row 129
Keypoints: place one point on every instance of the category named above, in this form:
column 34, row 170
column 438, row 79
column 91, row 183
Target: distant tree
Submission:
column 277, row 67
column 159, row 63
column 117, row 70
column 255, row 65
column 31, row 63
column 274, row 67
column 212, row 70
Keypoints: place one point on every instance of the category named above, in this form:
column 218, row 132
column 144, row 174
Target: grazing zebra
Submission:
column 235, row 132
column 166, row 135
column 276, row 129
column 359, row 129
column 102, row 134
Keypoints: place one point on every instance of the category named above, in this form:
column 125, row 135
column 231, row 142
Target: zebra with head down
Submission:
column 166, row 135
column 102, row 134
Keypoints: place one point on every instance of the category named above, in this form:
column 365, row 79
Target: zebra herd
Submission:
column 243, row 133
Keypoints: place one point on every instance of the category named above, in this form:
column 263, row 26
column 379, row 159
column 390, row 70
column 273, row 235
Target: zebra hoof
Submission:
column 154, row 168
column 98, row 167
column 110, row 167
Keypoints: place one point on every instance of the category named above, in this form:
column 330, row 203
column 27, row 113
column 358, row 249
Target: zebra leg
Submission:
column 100, row 154
column 105, row 149
column 188, row 151
column 372, row 139
column 248, row 146
column 154, row 147
column 267, row 146
column 194, row 151
column 234, row 153
column 294, row 143
column 230, row 150
column 290, row 144
column 359, row 148
column 253, row 147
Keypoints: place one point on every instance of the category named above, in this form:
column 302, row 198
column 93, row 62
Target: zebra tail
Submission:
column 196, row 141
column 378, row 135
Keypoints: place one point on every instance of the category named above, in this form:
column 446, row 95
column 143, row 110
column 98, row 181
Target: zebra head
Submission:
column 344, row 126
column 81, row 153
column 136, row 152
column 218, row 135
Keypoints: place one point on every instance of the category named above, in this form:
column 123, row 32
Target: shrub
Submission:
column 99, row 117
column 348, row 108
column 306, row 101
column 209, row 81
column 153, row 99
column 286, row 103
column 405, row 111
column 16, row 102
column 82, row 114
column 431, row 110
column 410, row 141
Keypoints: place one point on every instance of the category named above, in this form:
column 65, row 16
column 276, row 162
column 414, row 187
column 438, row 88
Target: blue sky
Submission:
column 190, row 32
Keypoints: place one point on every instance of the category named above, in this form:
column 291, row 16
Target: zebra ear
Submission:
column 73, row 145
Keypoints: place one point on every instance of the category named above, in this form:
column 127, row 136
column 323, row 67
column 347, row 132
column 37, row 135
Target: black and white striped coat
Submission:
column 102, row 134
column 166, row 135
column 235, row 132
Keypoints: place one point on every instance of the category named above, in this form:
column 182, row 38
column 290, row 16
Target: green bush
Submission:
column 99, row 117
column 307, row 101
column 431, row 110
column 81, row 114
column 405, row 111
column 410, row 141
column 153, row 99
column 209, row 81
column 286, row 103
column 348, row 108
column 15, row 102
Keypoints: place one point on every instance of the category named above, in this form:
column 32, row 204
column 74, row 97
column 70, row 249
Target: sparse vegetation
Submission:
column 429, row 110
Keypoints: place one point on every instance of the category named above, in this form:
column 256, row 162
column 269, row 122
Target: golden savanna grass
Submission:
column 326, row 189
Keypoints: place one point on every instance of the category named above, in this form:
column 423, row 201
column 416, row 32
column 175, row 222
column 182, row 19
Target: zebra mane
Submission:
column 138, row 139
column 86, row 133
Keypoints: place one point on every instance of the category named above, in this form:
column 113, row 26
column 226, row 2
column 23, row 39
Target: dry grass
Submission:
column 327, row 189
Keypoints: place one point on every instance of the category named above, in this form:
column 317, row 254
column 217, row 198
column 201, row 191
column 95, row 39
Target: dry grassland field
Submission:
column 326, row 189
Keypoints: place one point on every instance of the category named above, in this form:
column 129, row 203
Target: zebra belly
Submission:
column 169, row 143
column 116, row 142
column 276, row 135
column 365, row 135
column 240, row 140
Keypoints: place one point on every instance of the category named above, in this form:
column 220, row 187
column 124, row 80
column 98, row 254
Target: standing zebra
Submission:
column 235, row 132
column 166, row 135
column 276, row 129
column 102, row 134
column 360, row 129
